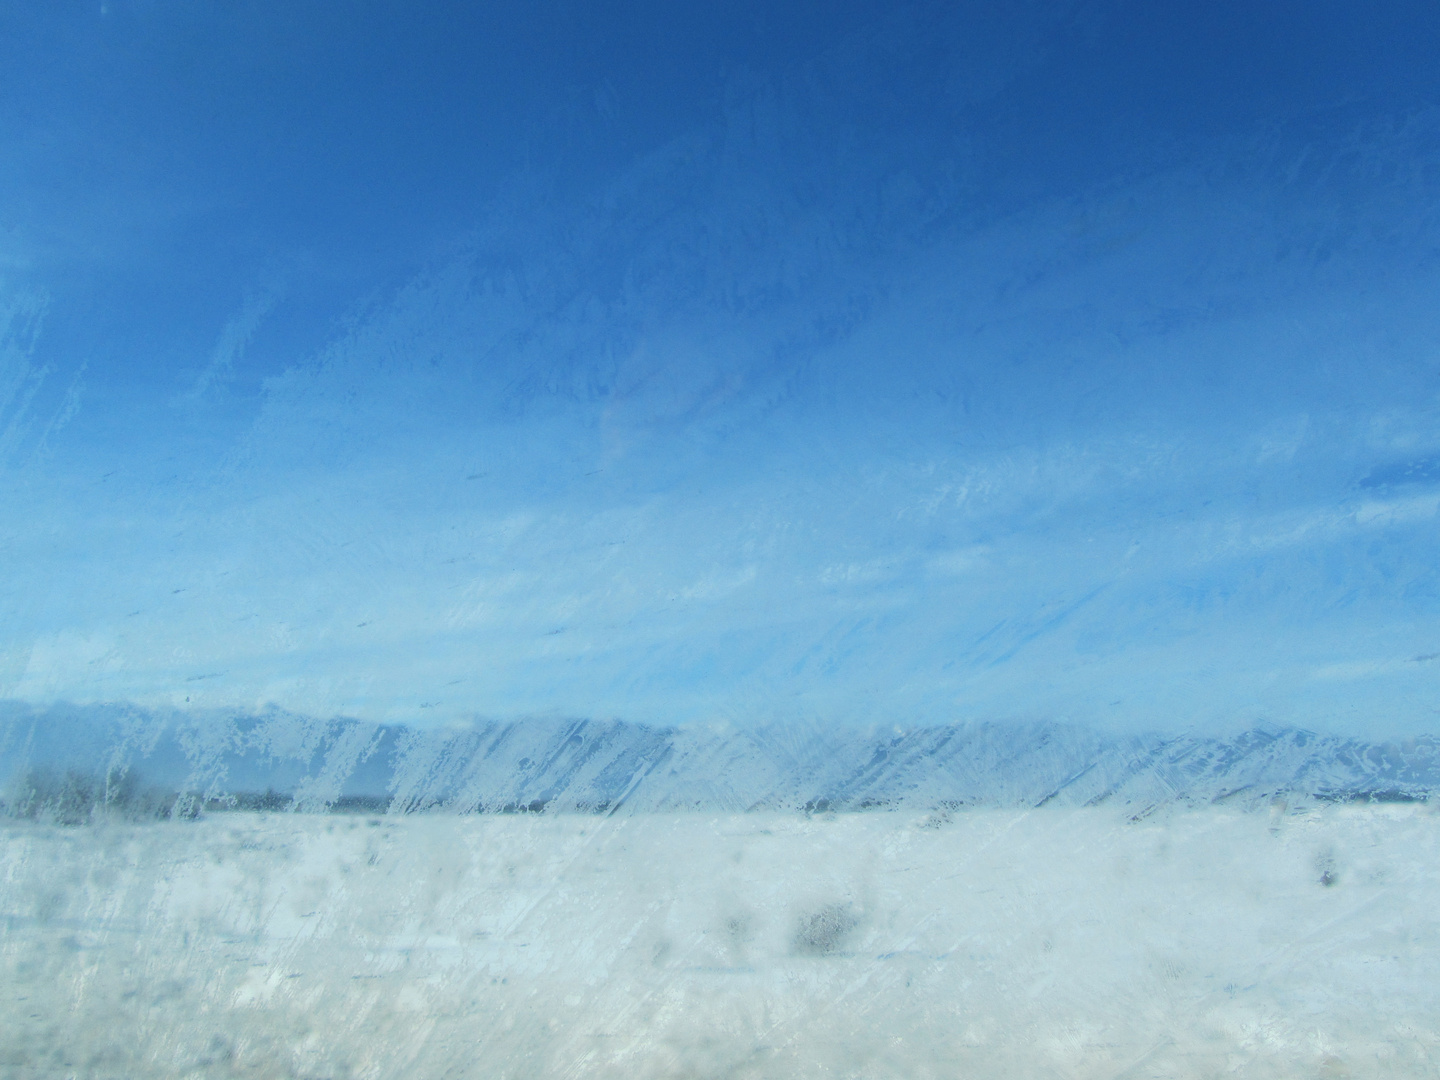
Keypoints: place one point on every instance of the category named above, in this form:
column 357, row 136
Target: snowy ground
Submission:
column 983, row 944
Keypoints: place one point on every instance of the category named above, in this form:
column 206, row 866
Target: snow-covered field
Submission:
column 983, row 943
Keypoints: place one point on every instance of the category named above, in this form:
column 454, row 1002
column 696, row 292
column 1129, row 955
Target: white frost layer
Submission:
column 1065, row 943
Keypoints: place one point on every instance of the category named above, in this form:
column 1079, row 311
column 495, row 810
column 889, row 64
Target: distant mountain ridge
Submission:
column 277, row 760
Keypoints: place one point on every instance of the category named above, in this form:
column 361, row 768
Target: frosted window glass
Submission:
column 748, row 540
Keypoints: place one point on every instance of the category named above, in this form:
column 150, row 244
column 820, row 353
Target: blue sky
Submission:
column 847, row 363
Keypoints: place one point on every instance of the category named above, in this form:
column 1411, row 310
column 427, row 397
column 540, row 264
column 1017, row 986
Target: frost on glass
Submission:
column 748, row 540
